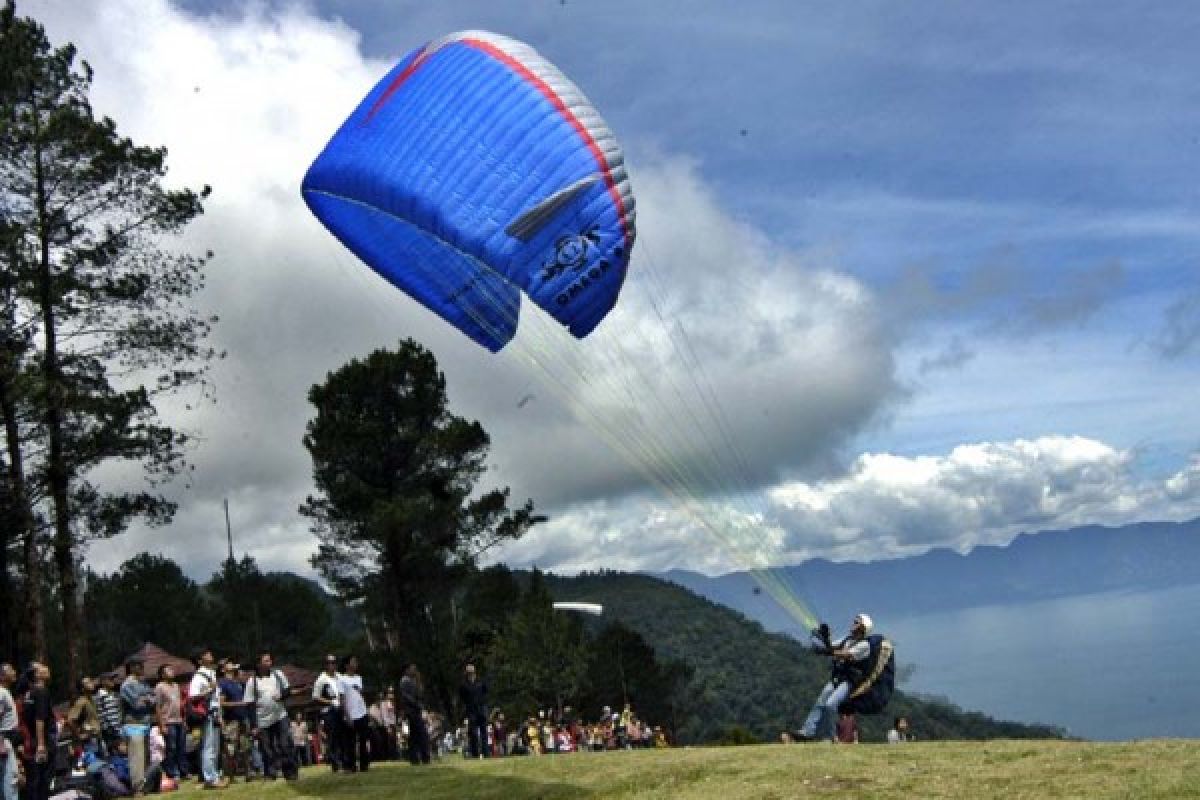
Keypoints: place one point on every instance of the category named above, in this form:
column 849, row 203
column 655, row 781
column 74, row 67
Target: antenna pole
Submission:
column 228, row 531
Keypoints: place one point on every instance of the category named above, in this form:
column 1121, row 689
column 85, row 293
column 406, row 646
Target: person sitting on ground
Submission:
column 899, row 732
column 849, row 650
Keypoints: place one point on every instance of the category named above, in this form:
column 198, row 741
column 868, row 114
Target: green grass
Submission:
column 961, row 770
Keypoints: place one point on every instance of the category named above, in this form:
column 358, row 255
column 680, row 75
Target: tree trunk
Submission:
column 57, row 472
column 23, row 529
column 36, row 619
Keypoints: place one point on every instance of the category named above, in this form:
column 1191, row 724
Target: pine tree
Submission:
column 398, row 519
column 110, row 303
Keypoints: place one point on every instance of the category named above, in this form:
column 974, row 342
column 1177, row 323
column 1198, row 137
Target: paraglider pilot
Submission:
column 848, row 655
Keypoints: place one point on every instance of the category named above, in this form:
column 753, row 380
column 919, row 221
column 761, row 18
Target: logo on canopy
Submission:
column 570, row 252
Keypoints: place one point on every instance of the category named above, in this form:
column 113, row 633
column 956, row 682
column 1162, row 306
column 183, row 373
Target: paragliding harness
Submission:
column 875, row 681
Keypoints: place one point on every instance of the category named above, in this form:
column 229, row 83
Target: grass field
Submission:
column 960, row 770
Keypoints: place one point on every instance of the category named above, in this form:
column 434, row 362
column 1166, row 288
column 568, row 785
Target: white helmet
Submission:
column 864, row 619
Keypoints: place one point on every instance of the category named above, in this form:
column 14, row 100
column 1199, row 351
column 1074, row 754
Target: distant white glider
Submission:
column 594, row 609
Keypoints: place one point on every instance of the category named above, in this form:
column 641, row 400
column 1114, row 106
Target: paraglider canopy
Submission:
column 594, row 609
column 473, row 173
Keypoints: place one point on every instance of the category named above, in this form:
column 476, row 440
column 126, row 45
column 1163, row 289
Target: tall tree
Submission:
column 253, row 611
column 148, row 599
column 397, row 515
column 541, row 659
column 110, row 302
column 623, row 668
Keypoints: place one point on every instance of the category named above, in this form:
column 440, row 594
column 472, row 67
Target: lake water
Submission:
column 1122, row 665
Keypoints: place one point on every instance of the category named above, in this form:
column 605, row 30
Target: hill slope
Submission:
column 745, row 675
column 951, row 771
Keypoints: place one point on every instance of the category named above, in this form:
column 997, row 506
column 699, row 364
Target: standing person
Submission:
column 300, row 749
column 846, row 731
column 168, row 708
column 82, row 719
column 266, row 692
column 137, row 698
column 108, row 707
column 354, row 715
column 499, row 733
column 235, row 725
column 204, row 698
column 473, row 692
column 10, row 736
column 850, row 650
column 325, row 693
column 410, row 704
column 387, row 711
column 38, row 715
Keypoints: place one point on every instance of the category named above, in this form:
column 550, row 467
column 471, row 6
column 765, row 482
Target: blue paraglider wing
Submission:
column 475, row 171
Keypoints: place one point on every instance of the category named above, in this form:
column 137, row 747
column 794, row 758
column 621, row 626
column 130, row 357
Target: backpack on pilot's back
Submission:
column 873, row 691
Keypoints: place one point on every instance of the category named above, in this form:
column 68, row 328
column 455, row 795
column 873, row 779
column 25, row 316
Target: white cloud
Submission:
column 976, row 494
column 884, row 506
column 794, row 361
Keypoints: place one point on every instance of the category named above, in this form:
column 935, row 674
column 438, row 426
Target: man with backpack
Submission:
column 204, row 709
column 848, row 654
column 266, row 692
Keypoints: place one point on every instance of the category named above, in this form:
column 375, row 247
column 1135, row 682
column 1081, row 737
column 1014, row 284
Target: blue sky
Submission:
column 965, row 237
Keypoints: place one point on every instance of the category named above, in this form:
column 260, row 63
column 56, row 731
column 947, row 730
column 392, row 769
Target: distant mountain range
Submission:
column 1033, row 566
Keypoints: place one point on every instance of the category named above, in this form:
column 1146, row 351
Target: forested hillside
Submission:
column 744, row 676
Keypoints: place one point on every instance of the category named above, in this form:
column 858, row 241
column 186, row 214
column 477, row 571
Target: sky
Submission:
column 921, row 275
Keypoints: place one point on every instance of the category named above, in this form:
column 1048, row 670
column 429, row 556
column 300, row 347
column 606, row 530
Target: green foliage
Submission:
column 252, row 612
column 240, row 612
column 540, row 660
column 624, row 668
column 148, row 599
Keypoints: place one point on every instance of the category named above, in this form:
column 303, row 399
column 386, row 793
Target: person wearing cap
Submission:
column 851, row 649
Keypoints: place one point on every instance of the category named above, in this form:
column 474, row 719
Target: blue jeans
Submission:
column 819, row 723
column 210, row 752
column 8, row 774
column 175, row 764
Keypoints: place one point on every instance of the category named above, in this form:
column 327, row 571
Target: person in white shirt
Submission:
column 354, row 714
column 899, row 732
column 204, row 685
column 852, row 648
column 10, row 736
column 326, row 695
column 266, row 692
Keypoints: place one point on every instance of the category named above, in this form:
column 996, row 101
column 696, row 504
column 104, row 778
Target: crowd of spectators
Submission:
column 133, row 733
